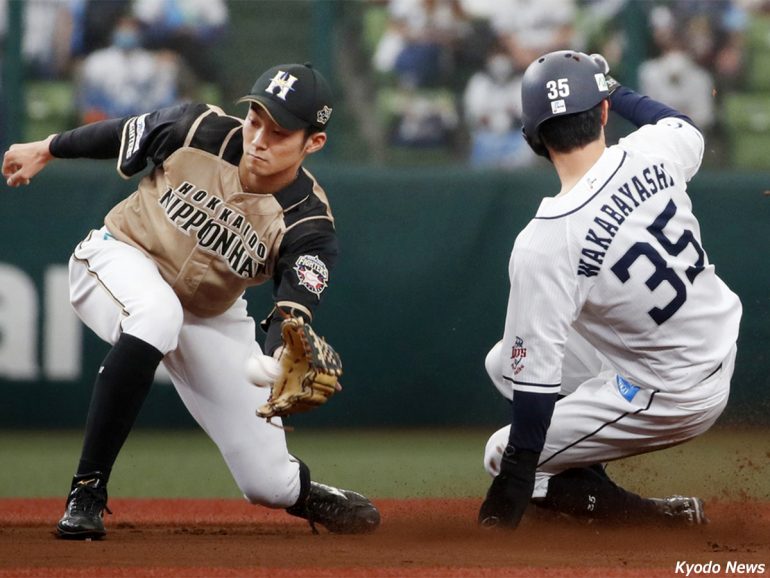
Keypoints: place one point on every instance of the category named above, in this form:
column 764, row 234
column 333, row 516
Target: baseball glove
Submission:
column 310, row 371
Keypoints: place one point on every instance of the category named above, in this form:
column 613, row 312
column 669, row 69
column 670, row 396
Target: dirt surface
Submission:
column 418, row 538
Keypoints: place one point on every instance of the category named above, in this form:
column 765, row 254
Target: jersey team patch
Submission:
column 518, row 353
column 312, row 273
column 626, row 388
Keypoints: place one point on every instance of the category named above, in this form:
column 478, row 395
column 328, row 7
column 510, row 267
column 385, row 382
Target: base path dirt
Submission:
column 417, row 538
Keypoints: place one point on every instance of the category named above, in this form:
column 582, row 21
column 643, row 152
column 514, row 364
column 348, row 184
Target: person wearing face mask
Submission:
column 125, row 79
column 492, row 107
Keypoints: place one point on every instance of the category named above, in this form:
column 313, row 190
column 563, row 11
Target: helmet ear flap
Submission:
column 536, row 145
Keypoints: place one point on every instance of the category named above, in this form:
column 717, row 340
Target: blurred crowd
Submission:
column 453, row 67
column 446, row 72
column 122, row 56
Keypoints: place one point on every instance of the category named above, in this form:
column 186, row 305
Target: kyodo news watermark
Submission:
column 729, row 568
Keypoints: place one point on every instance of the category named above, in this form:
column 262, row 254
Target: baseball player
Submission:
column 226, row 205
column 619, row 336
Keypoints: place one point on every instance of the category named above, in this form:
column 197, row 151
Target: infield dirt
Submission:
column 418, row 538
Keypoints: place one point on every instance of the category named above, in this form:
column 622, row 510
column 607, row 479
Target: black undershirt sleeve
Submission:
column 530, row 420
column 316, row 238
column 640, row 110
column 99, row 140
column 149, row 137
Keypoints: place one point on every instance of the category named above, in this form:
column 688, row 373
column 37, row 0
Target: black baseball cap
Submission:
column 296, row 96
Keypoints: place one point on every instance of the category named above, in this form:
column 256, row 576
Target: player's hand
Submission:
column 23, row 161
column 604, row 66
column 511, row 490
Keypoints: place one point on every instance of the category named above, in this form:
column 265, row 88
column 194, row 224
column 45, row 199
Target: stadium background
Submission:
column 420, row 292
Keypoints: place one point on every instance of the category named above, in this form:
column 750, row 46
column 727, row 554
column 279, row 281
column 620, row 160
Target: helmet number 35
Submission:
column 557, row 88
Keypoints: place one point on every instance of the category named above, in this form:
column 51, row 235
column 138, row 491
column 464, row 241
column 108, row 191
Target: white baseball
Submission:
column 262, row 370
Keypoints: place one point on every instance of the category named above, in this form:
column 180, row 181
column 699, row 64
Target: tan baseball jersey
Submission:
column 209, row 238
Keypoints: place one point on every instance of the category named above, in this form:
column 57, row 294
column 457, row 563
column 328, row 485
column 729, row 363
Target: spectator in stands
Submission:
column 46, row 40
column 714, row 33
column 492, row 107
column 93, row 23
column 529, row 28
column 420, row 47
column 674, row 77
column 420, row 42
column 125, row 79
column 190, row 28
column 424, row 120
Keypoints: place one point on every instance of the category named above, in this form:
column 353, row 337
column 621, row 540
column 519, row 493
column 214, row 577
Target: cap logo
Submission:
column 282, row 82
column 324, row 115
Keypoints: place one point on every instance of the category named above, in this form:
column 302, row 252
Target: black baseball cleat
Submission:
column 339, row 511
column 682, row 510
column 84, row 512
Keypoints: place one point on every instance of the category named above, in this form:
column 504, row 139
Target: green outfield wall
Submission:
column 417, row 299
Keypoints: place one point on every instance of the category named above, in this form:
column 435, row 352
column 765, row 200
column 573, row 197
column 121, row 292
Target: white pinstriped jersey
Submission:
column 619, row 257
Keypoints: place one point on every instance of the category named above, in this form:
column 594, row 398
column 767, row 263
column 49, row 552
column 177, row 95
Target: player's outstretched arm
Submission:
column 23, row 161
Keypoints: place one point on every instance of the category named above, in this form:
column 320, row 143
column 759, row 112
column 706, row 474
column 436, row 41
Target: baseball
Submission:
column 262, row 370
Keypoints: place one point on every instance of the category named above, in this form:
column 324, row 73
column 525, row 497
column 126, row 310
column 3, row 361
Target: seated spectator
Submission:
column 46, row 39
column 492, row 107
column 126, row 79
column 674, row 77
column 188, row 27
column 424, row 119
column 530, row 28
column 93, row 23
column 420, row 41
column 715, row 35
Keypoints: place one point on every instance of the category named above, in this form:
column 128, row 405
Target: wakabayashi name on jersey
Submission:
column 219, row 229
column 612, row 214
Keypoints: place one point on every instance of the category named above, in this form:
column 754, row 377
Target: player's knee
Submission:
column 494, row 366
column 492, row 361
column 157, row 321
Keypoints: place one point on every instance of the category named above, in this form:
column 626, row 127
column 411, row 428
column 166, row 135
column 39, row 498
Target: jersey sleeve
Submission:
column 154, row 136
column 640, row 109
column 132, row 140
column 98, row 140
column 308, row 254
column 672, row 139
column 541, row 309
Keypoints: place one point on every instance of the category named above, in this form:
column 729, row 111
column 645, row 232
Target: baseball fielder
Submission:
column 226, row 205
column 619, row 337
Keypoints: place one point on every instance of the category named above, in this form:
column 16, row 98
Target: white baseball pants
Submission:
column 116, row 288
column 595, row 423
